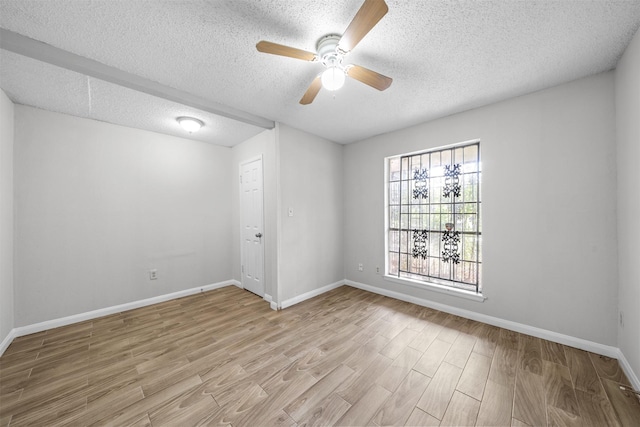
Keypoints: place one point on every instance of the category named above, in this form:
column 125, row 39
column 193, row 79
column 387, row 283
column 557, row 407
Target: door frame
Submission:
column 264, row 238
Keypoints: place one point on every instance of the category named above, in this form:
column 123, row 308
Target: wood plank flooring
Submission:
column 347, row 357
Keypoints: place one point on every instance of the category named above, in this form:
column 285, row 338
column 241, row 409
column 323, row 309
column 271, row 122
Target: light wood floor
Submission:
column 347, row 357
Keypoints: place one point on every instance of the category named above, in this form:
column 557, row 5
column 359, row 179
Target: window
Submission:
column 434, row 233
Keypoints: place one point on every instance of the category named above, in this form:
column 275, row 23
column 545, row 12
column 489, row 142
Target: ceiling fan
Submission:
column 331, row 50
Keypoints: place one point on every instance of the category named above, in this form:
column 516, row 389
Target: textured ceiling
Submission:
column 445, row 57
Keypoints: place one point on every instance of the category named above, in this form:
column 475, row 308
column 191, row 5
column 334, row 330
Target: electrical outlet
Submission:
column 377, row 270
column 360, row 267
column 153, row 274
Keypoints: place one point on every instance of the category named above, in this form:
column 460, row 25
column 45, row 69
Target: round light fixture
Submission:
column 333, row 78
column 190, row 124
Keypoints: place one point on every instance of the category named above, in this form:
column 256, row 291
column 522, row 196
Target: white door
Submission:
column 251, row 206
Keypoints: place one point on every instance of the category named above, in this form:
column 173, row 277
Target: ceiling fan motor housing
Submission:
column 328, row 52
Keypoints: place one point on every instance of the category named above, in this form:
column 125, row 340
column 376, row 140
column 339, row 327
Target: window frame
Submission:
column 426, row 281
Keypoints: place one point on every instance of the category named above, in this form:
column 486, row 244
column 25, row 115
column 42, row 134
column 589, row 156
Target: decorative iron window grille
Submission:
column 420, row 243
column 434, row 230
column 420, row 189
column 451, row 180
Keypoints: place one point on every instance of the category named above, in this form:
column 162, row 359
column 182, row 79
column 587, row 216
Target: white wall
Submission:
column 549, row 215
column 6, row 216
column 628, row 150
column 98, row 205
column 311, row 183
column 263, row 144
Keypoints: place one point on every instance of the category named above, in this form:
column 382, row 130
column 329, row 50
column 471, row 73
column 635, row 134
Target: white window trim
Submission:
column 442, row 289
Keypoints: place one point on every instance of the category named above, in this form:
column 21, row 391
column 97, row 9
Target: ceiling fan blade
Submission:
column 367, row 17
column 368, row 77
column 312, row 91
column 282, row 50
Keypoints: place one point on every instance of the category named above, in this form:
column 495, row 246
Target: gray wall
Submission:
column 549, row 207
column 6, row 216
column 263, row 144
column 303, row 172
column 98, row 205
column 311, row 183
column 628, row 128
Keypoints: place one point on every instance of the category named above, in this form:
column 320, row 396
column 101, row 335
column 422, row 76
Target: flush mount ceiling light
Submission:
column 190, row 124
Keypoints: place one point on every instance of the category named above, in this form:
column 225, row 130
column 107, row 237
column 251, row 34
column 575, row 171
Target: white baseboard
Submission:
column 310, row 294
column 64, row 321
column 272, row 304
column 580, row 343
column 7, row 341
column 628, row 371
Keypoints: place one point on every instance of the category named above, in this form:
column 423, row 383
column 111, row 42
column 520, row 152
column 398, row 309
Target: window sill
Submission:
column 460, row 293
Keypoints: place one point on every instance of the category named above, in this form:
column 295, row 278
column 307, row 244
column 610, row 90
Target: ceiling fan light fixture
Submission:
column 331, row 50
column 190, row 124
column 333, row 78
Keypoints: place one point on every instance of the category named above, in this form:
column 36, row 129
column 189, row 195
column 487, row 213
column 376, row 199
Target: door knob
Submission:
column 258, row 235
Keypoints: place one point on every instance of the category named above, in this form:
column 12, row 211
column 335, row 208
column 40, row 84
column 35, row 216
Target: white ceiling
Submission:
column 444, row 57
